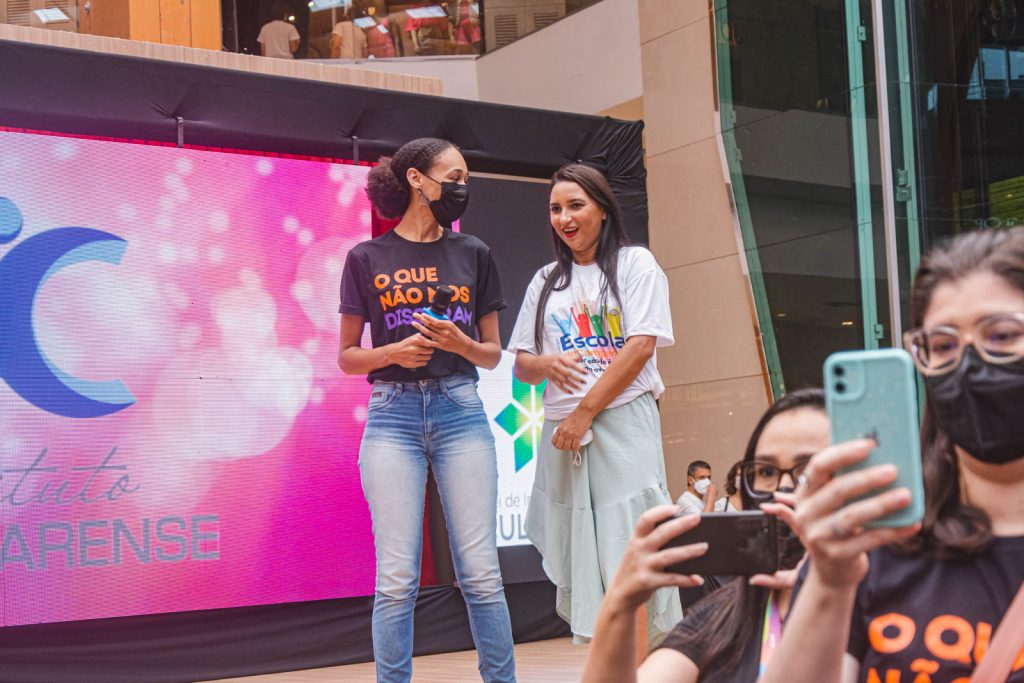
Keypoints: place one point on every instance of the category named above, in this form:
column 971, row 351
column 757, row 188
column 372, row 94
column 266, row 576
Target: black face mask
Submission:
column 791, row 550
column 980, row 406
column 452, row 203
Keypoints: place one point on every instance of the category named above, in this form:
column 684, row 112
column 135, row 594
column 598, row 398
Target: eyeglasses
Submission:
column 998, row 339
column 762, row 479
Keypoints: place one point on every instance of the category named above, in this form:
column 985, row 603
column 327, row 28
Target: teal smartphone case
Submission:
column 874, row 394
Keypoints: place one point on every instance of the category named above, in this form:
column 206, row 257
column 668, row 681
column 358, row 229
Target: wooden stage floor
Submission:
column 547, row 661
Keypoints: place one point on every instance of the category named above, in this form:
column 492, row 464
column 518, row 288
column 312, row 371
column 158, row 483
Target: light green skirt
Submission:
column 581, row 517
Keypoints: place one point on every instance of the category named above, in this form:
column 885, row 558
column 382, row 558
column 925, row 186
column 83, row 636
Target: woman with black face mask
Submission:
column 432, row 298
column 929, row 607
column 728, row 634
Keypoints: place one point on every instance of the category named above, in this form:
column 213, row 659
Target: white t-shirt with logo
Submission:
column 276, row 37
column 575, row 319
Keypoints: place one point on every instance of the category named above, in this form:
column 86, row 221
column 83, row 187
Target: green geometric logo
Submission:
column 523, row 419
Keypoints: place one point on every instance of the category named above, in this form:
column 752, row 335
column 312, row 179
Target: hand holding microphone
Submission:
column 436, row 329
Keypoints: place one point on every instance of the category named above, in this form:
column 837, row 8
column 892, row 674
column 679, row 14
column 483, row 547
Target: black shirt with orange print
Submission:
column 388, row 278
column 920, row 620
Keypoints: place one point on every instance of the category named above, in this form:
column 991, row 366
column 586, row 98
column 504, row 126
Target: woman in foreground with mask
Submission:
column 424, row 406
column 928, row 608
column 729, row 634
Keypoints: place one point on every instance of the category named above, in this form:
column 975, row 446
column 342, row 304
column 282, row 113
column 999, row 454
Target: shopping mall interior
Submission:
column 795, row 159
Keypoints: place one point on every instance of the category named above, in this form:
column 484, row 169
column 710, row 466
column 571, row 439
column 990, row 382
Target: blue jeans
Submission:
column 440, row 422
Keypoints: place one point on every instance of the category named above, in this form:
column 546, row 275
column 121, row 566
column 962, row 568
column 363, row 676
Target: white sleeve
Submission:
column 687, row 506
column 293, row 33
column 522, row 334
column 645, row 309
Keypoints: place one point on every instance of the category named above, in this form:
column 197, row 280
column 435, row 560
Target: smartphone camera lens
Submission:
column 840, row 387
column 839, row 371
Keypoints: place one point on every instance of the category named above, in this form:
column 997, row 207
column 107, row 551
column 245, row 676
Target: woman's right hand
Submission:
column 563, row 370
column 642, row 570
column 412, row 352
column 831, row 527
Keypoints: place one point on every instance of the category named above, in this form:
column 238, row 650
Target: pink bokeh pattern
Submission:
column 232, row 480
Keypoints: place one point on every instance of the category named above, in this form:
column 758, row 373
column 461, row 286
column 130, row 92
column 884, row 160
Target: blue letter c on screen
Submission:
column 23, row 365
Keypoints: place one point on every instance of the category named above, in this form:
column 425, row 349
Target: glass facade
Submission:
column 380, row 29
column 969, row 83
column 803, row 136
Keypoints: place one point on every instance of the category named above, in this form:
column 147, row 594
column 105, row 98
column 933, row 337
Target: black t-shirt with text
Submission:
column 693, row 636
column 917, row 618
column 388, row 278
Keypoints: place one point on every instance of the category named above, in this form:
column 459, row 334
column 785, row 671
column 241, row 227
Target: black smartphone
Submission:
column 739, row 543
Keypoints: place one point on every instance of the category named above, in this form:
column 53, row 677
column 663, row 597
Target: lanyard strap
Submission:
column 1005, row 645
column 771, row 632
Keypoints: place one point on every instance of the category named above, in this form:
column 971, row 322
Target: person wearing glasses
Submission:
column 729, row 633
column 928, row 607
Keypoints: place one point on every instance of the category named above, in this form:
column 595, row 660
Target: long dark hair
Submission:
column 735, row 608
column 730, row 479
column 609, row 243
column 951, row 526
column 387, row 185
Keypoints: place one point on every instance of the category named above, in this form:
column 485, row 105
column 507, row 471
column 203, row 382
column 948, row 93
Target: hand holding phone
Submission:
column 739, row 543
column 873, row 394
column 642, row 570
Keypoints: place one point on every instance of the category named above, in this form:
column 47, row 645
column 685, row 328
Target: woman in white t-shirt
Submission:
column 589, row 327
column 348, row 41
column 732, row 501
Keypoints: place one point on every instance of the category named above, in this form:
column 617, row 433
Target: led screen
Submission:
column 174, row 431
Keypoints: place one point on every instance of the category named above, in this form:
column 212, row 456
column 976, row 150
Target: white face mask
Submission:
column 701, row 487
column 739, row 483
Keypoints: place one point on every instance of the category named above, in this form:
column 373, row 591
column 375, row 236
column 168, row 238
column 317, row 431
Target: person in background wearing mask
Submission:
column 424, row 407
column 929, row 608
column 700, row 492
column 732, row 501
column 732, row 632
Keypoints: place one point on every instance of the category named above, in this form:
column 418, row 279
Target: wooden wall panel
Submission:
column 206, row 32
column 176, row 22
column 104, row 18
column 145, row 20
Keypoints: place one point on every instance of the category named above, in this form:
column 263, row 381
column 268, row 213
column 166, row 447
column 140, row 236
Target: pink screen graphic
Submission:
column 174, row 431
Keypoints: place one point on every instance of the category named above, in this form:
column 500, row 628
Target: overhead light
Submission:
column 781, row 315
column 291, row 17
column 847, row 323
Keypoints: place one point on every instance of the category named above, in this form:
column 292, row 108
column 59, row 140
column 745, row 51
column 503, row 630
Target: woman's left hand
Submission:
column 783, row 579
column 570, row 431
column 442, row 334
